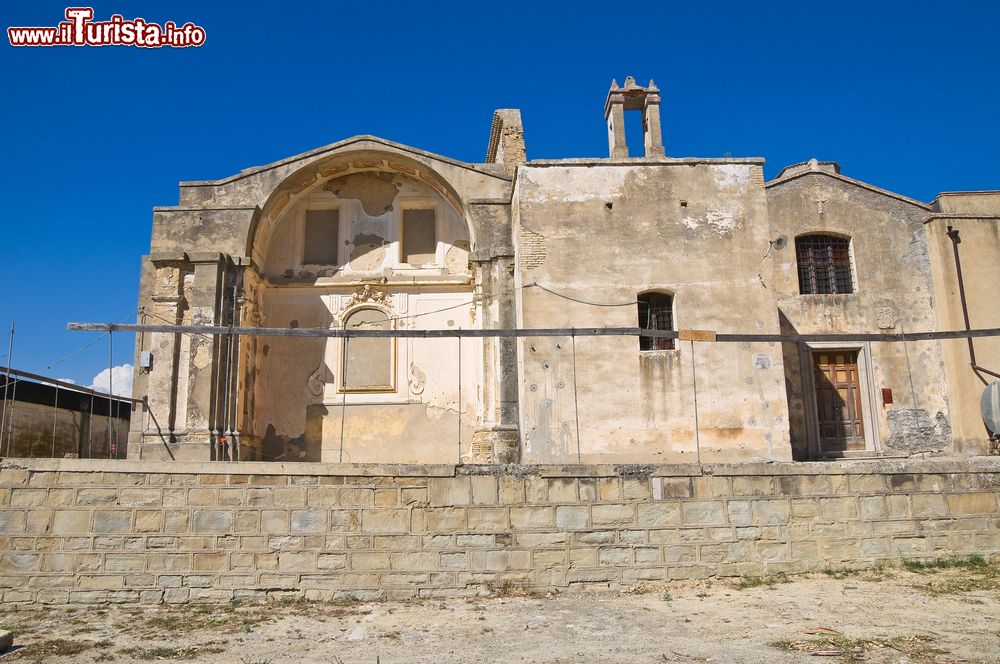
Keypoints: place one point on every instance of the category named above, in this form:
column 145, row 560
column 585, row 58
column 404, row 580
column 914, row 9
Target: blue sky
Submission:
column 904, row 95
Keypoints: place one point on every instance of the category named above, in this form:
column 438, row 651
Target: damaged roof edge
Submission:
column 843, row 178
column 485, row 169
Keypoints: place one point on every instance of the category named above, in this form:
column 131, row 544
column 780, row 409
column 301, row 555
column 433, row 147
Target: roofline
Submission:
column 964, row 193
column 857, row 183
column 643, row 161
column 248, row 172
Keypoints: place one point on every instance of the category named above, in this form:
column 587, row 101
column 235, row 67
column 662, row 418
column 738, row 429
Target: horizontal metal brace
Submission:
column 215, row 330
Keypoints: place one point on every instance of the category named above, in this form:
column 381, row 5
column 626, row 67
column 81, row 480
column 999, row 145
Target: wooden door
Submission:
column 838, row 401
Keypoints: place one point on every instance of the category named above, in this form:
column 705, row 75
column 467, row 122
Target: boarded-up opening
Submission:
column 369, row 362
column 321, row 237
column 419, row 237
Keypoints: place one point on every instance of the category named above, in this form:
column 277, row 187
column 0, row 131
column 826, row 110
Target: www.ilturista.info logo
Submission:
column 79, row 29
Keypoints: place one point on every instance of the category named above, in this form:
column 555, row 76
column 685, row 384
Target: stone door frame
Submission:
column 873, row 443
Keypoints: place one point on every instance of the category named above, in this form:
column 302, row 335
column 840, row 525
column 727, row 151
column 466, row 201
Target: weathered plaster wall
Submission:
column 221, row 231
column 893, row 293
column 297, row 382
column 978, row 225
column 606, row 231
column 87, row 532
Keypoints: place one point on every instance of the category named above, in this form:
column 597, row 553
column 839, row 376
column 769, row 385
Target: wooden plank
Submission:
column 696, row 335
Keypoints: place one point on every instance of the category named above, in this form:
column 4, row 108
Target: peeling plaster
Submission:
column 376, row 191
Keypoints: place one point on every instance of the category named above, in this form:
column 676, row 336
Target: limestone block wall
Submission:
column 82, row 531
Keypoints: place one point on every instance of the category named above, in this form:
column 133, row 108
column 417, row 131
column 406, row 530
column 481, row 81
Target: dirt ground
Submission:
column 944, row 612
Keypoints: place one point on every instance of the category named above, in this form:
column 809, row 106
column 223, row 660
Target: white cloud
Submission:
column 121, row 380
column 67, row 380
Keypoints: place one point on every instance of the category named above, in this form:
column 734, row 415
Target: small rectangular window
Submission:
column 656, row 312
column 824, row 264
column 322, row 233
column 419, row 237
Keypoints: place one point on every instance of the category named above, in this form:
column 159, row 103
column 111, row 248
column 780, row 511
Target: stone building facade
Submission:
column 370, row 234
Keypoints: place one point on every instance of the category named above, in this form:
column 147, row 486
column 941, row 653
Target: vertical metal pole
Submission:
column 55, row 412
column 90, row 429
column 576, row 401
column 110, row 385
column 343, row 404
column 459, row 400
column 909, row 371
column 697, row 434
column 6, row 384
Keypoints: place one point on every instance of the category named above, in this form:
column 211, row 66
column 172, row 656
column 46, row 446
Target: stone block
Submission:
column 297, row 561
column 548, row 558
column 475, row 541
column 112, row 521
column 210, row 521
column 308, row 521
column 536, row 489
column 750, row 485
column 707, row 512
column 510, row 490
column 370, row 560
column 38, row 497
column 13, row 523
column 216, row 561
column 415, row 561
column 385, row 520
column 972, row 503
column 838, row 509
column 618, row 555
column 331, row 561
column 929, row 505
column 413, row 496
column 572, row 517
column 562, row 490
column 532, row 518
column 768, row 512
column 445, row 519
column 609, row 489
column 488, row 519
column 485, row 490
column 647, row 555
column 534, row 540
column 587, row 490
column 739, row 512
column 450, row 491
column 613, row 514
column 208, row 497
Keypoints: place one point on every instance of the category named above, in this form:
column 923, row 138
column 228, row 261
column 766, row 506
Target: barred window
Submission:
column 824, row 265
column 656, row 312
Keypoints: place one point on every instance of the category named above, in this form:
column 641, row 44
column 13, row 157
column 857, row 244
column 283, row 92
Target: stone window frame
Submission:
column 850, row 259
column 670, row 344
column 870, row 406
column 393, row 387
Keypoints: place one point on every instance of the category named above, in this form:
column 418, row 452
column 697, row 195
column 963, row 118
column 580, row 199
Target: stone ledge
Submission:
column 974, row 465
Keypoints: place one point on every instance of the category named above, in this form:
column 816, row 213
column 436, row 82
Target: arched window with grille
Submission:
column 824, row 264
column 656, row 312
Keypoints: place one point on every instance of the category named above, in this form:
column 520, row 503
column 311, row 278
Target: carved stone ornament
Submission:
column 315, row 381
column 368, row 294
column 417, row 379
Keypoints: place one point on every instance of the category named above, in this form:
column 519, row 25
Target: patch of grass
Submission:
column 162, row 652
column 917, row 648
column 960, row 562
column 42, row 650
column 956, row 575
column 771, row 580
column 503, row 588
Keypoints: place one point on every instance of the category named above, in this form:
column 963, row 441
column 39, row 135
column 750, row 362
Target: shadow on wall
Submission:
column 794, row 392
column 280, row 448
